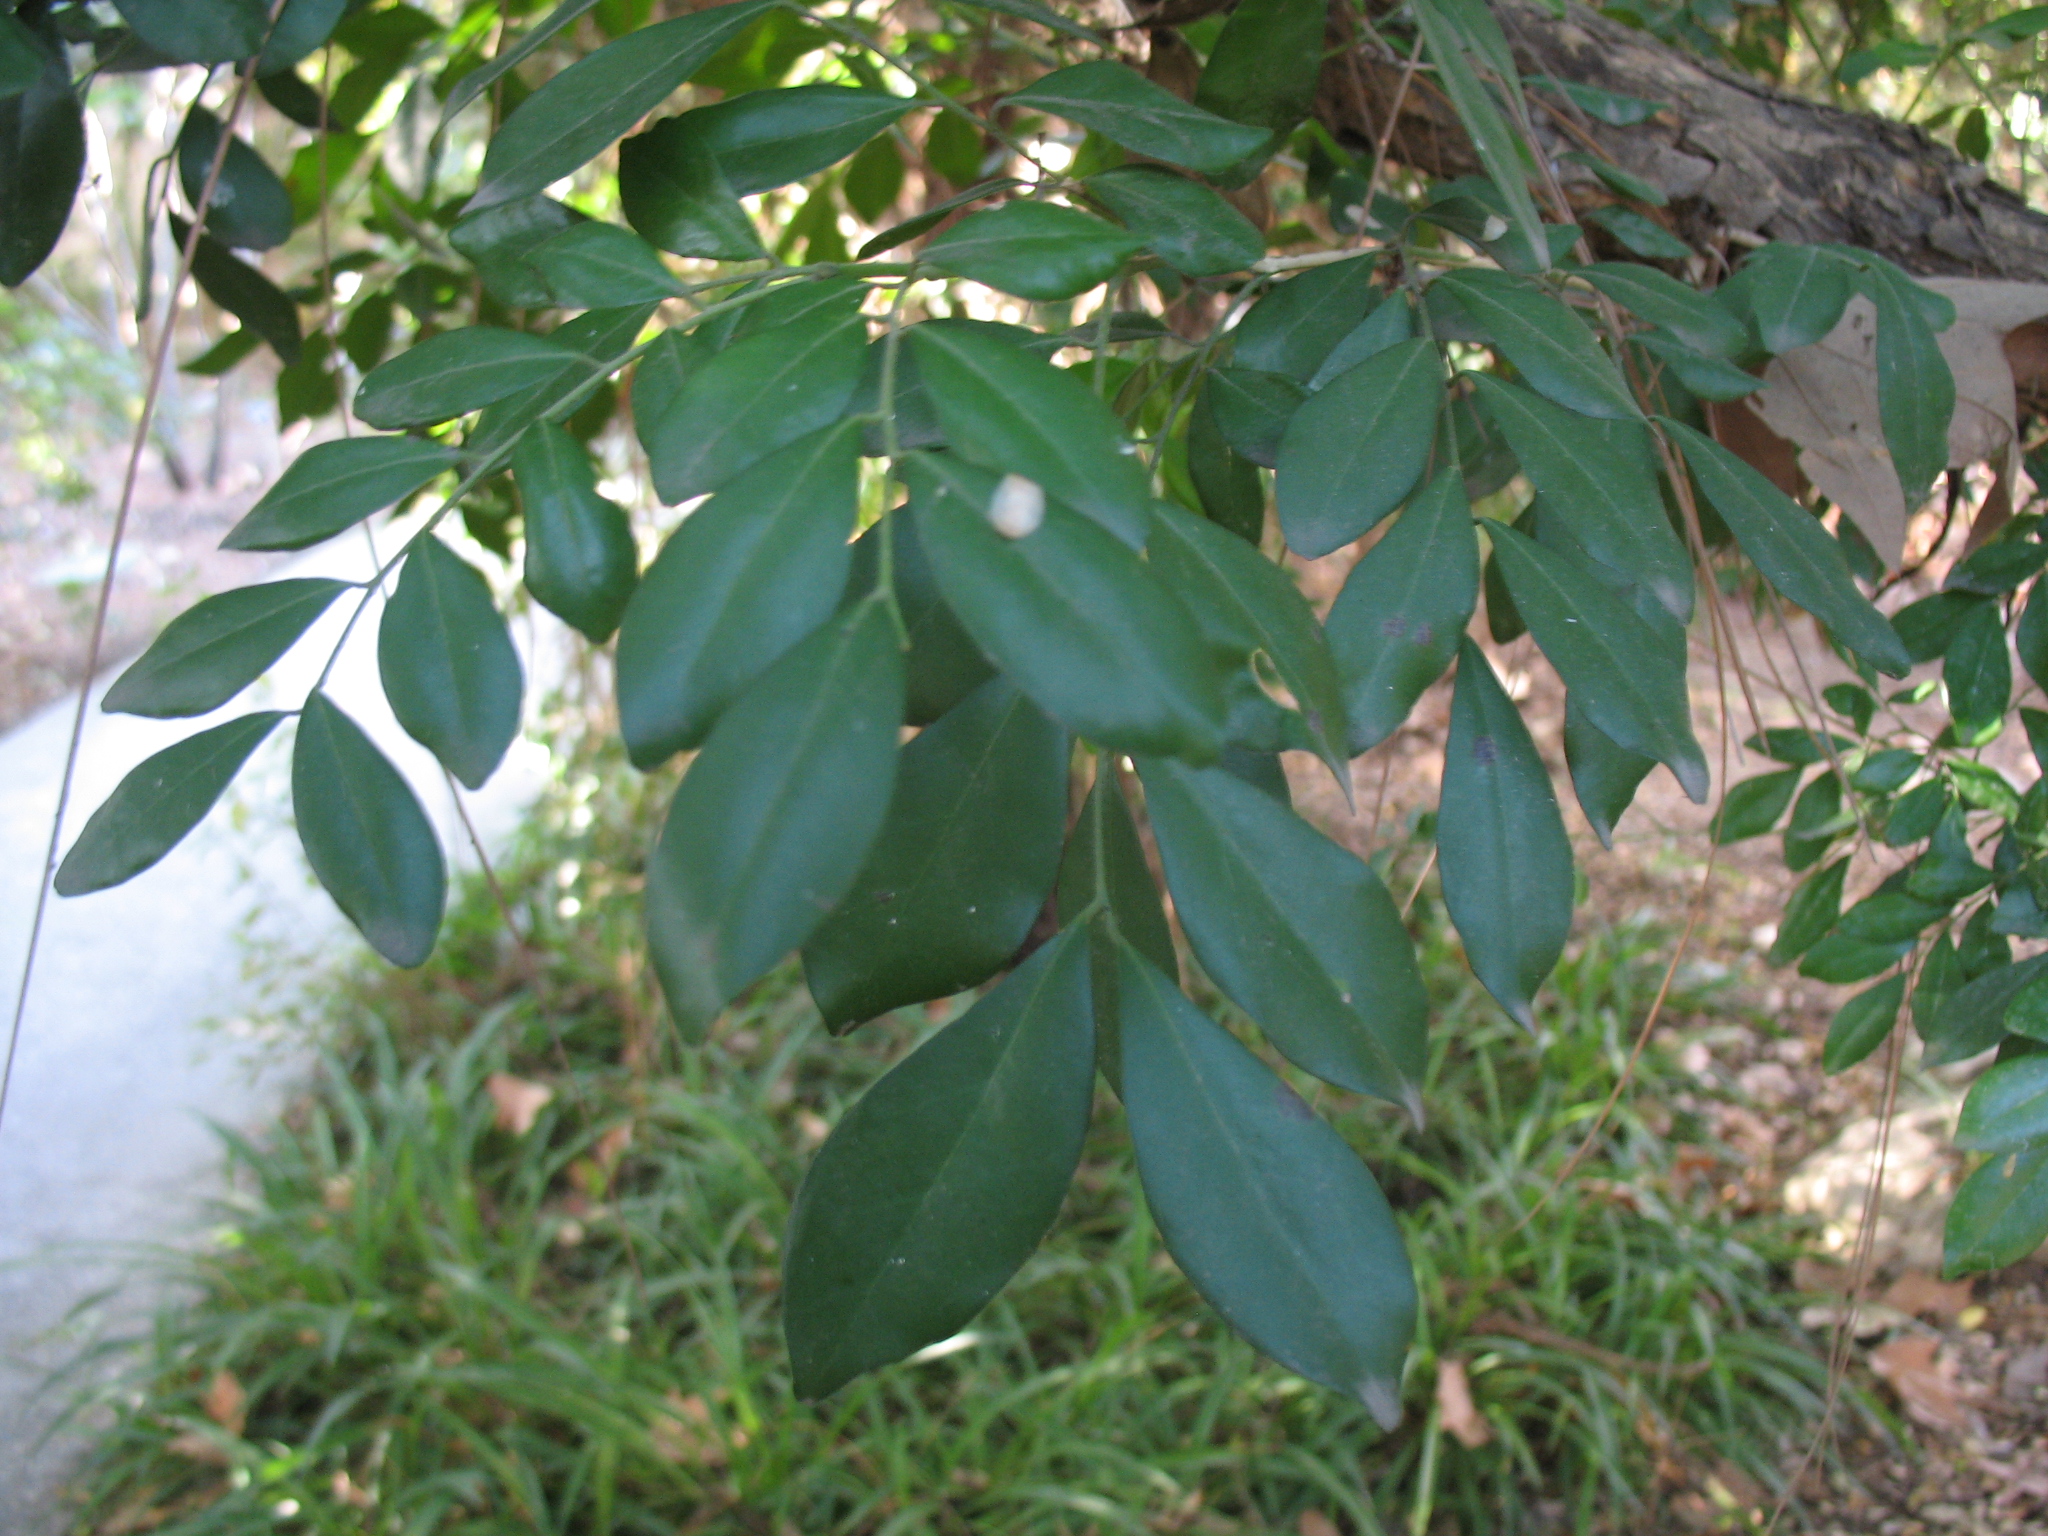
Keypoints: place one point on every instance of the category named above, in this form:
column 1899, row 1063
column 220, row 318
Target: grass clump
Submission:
column 420, row 1313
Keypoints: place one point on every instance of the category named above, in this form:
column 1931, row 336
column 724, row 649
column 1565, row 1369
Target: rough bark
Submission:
column 1741, row 160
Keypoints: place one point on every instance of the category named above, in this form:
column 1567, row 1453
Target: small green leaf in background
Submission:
column 1632, row 686
column 942, row 1179
column 776, row 815
column 1795, row 293
column 218, row 647
column 961, row 868
column 1998, row 567
column 454, row 373
column 1076, row 619
column 447, row 663
column 1811, row 912
column 1976, row 675
column 1795, row 745
column 941, row 662
column 598, row 266
column 365, row 835
column 1545, row 340
column 672, row 191
column 585, row 108
column 1605, row 774
column 1126, row 108
column 1916, row 392
column 1355, row 449
column 1265, row 64
column 875, row 179
column 1791, row 548
column 1225, row 482
column 159, row 800
column 766, row 139
column 1458, row 37
column 1004, row 408
column 759, row 394
column 1972, row 1018
column 1252, row 409
column 1266, row 1209
column 231, row 283
column 1251, row 604
column 1180, row 221
column 1752, row 807
column 1035, row 250
column 1294, row 929
column 1396, row 624
column 1925, row 628
column 2006, row 1108
column 747, row 576
column 2000, row 1214
column 597, row 342
column 1861, row 1025
column 250, row 208
column 581, row 561
column 1297, row 324
column 333, row 486
column 1388, row 325
column 1505, row 860
column 1664, row 301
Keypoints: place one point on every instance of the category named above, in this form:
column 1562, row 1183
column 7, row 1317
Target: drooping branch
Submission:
column 1741, row 160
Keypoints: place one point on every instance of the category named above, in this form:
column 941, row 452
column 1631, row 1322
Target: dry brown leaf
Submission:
column 516, row 1100
column 1316, row 1523
column 1921, row 1294
column 226, row 1403
column 1817, row 1277
column 344, row 1491
column 1923, row 1381
column 1823, row 399
column 1455, row 1407
column 194, row 1446
column 611, row 1146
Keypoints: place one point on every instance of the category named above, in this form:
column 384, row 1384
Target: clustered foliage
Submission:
column 1066, row 571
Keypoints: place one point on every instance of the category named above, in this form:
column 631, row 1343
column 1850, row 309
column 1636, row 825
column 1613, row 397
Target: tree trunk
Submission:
column 1741, row 161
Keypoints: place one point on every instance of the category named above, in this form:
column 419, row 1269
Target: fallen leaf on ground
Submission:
column 1315, row 1523
column 1923, row 1294
column 1928, row 1391
column 1817, row 1277
column 1455, row 1406
column 516, row 1100
column 226, row 1403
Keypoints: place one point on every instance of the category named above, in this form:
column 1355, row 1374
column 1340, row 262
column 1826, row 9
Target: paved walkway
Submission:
column 138, row 1028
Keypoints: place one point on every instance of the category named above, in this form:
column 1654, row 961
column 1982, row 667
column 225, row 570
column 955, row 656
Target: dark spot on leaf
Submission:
column 1291, row 1103
column 1422, row 633
column 1482, row 751
column 1393, row 627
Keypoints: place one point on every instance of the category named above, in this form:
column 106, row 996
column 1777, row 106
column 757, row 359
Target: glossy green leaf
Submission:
column 1976, row 675
column 767, row 139
column 2006, row 1108
column 581, row 111
column 1252, row 409
column 1600, row 479
column 1044, row 15
column 1357, row 447
column 365, row 835
column 218, row 647
column 747, row 576
column 239, row 289
column 457, row 372
column 447, row 663
column 1035, row 250
column 1264, row 66
column 1926, row 628
column 938, row 1184
column 935, row 215
column 776, row 815
column 1706, row 378
column 509, row 56
column 1817, row 820
column 672, row 190
column 250, row 207
column 756, row 396
column 962, row 867
column 1243, row 598
column 1605, row 774
column 941, row 663
column 1395, row 625
column 1180, row 221
column 1074, row 617
column 1126, row 108
column 1791, row 548
column 499, row 242
column 1638, row 234
column 1545, row 340
column 161, row 799
column 333, row 486
column 1971, row 1020
column 1753, row 807
column 2030, row 637
column 21, row 57
column 1455, row 32
column 198, row 31
column 1888, row 916
column 1294, row 929
column 1294, row 328
column 2000, row 1214
column 1266, row 1209
column 1862, row 1024
column 1226, row 483
column 1916, row 392
column 1811, row 912
column 1603, row 106
column 1795, row 293
column 874, row 179
column 581, row 561
column 1505, row 861
column 1998, row 567
column 1840, row 960
column 1387, row 326
column 596, row 343
column 1664, row 301
column 1105, row 857
column 601, row 266
column 1632, row 686
column 1004, row 408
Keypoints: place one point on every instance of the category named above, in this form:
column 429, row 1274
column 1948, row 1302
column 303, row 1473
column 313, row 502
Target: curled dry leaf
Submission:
column 1459, row 1414
column 516, row 1100
column 1823, row 400
column 226, row 1403
column 1925, row 1383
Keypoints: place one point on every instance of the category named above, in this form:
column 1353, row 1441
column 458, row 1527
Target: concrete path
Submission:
column 139, row 1023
